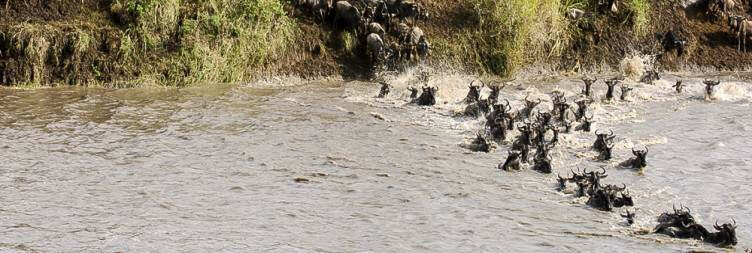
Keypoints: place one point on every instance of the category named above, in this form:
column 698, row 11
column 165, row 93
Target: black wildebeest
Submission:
column 625, row 89
column 588, row 84
column 586, row 124
column 679, row 86
column 473, row 94
column 428, row 97
column 385, row 88
column 681, row 224
column 602, row 139
column 709, row 88
column 629, row 216
column 610, row 91
column 512, row 162
column 639, row 161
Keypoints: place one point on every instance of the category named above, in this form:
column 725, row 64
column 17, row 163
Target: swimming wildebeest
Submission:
column 385, row 88
column 625, row 89
column 413, row 92
column 480, row 144
column 493, row 97
column 478, row 108
column 512, row 162
column 543, row 164
column 582, row 108
column 681, row 224
column 527, row 112
column 606, row 152
column 630, row 217
column 562, row 108
column 473, row 94
column 428, row 97
column 650, row 76
column 639, row 161
column 602, row 139
column 499, row 129
column 679, row 86
column 586, row 124
column 588, row 84
column 709, row 88
column 610, row 91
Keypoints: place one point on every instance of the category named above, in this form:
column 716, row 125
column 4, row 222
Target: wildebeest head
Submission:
column 428, row 97
column 602, row 139
column 709, row 85
column 726, row 234
column 679, row 86
column 625, row 89
column 385, row 88
column 474, row 93
column 630, row 217
column 640, row 160
column 582, row 107
column 530, row 104
column 481, row 144
column 610, row 91
column 588, row 84
column 562, row 182
column 626, row 199
column 587, row 122
column 495, row 91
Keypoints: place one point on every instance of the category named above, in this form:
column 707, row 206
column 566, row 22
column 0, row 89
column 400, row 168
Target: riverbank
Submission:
column 135, row 43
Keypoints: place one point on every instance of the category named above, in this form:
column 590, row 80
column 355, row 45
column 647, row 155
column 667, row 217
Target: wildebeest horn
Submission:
column 733, row 226
column 716, row 225
column 623, row 187
column 684, row 224
column 508, row 107
column 596, row 131
column 646, row 150
column 634, row 152
column 611, row 132
column 604, row 171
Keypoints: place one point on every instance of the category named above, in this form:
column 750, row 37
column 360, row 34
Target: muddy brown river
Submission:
column 326, row 167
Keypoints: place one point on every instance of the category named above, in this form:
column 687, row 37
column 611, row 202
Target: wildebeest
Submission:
column 319, row 7
column 741, row 27
column 428, row 96
column 493, row 97
column 625, row 89
column 639, row 161
column 480, row 144
column 512, row 162
column 606, row 152
column 679, row 86
column 413, row 92
column 709, row 88
column 527, row 112
column 629, row 216
column 720, row 7
column 409, row 9
column 650, row 76
column 681, row 224
column 346, row 15
column 586, row 124
column 582, row 107
column 588, row 84
column 473, row 94
column 376, row 49
column 385, row 88
column 376, row 28
column 672, row 41
column 602, row 139
column 478, row 108
column 499, row 129
column 543, row 164
column 610, row 91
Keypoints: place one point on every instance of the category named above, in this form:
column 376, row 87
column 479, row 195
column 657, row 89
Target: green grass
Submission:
column 514, row 33
column 640, row 13
column 204, row 41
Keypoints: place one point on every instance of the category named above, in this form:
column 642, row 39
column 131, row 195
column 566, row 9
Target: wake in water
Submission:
column 548, row 129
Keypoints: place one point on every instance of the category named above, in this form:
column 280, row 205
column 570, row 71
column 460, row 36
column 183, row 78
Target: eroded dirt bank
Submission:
column 114, row 43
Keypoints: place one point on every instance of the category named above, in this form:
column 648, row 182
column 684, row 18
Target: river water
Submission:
column 214, row 169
